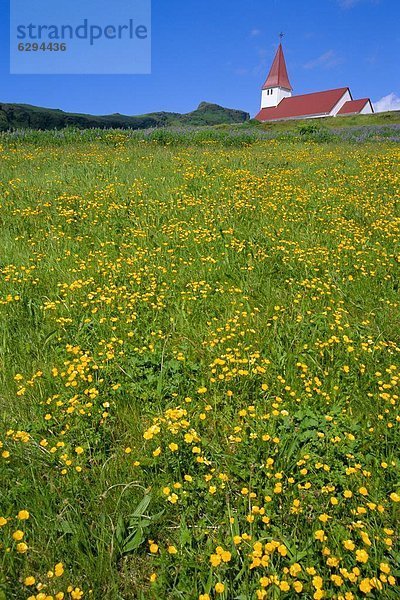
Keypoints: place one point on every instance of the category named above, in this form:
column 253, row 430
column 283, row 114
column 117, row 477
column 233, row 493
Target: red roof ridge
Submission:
column 341, row 89
column 278, row 75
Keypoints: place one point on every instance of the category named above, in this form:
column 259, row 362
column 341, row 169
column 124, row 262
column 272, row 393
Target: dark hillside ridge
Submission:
column 25, row 116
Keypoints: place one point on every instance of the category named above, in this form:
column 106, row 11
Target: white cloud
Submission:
column 255, row 32
column 328, row 60
column 389, row 102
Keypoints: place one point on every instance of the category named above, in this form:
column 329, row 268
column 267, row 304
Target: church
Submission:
column 278, row 103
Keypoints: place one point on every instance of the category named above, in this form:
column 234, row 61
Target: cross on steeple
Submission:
column 281, row 35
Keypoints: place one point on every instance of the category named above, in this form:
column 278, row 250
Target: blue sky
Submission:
column 221, row 50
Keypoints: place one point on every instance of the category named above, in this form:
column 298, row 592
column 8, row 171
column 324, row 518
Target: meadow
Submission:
column 199, row 367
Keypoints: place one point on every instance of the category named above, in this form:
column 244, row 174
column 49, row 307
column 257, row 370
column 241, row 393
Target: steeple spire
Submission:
column 278, row 76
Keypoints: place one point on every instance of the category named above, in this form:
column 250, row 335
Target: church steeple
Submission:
column 278, row 75
column 277, row 85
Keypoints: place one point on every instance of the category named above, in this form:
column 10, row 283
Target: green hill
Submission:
column 24, row 116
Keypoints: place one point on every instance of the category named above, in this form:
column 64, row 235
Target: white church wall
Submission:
column 367, row 110
column 345, row 98
column 273, row 96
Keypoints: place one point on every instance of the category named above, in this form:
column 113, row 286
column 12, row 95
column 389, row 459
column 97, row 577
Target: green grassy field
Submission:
column 199, row 367
column 387, row 118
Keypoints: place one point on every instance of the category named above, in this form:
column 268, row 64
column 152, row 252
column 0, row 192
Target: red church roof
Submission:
column 306, row 105
column 278, row 75
column 354, row 107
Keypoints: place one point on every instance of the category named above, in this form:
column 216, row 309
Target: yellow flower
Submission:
column 204, row 597
column 226, row 556
column 365, row 586
column 172, row 550
column 324, row 517
column 282, row 550
column 23, row 515
column 317, row 582
column 22, row 548
column 219, row 588
column 29, row 580
column 362, row 556
column 384, row 567
column 347, row 493
column 295, row 569
column 153, row 548
column 3, row 521
column 320, row 535
column 59, row 570
column 284, row 586
column 18, row 535
column 215, row 560
column 173, row 447
column 395, row 497
column 365, row 538
column 79, row 450
column 153, row 577
column 297, row 586
column 349, row 544
column 363, row 491
column 376, row 583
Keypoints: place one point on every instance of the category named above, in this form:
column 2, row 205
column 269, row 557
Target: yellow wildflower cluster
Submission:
column 200, row 369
